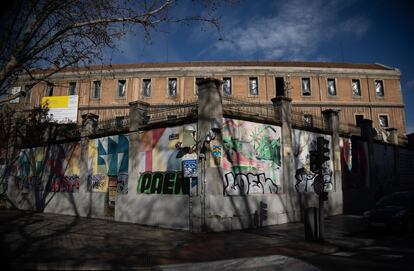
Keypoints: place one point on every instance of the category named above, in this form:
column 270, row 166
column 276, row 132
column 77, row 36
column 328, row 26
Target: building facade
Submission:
column 359, row 91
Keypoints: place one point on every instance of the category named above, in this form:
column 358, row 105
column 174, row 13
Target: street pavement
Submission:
column 58, row 242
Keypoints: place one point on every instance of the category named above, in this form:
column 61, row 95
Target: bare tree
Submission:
column 38, row 34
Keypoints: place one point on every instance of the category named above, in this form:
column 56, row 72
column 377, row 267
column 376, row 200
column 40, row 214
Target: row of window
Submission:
column 332, row 90
column 382, row 120
column 227, row 87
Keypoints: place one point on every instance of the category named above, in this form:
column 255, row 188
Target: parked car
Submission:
column 394, row 211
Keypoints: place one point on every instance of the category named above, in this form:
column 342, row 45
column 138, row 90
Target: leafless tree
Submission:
column 55, row 34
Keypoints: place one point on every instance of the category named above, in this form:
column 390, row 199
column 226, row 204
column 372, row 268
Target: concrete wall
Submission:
column 158, row 194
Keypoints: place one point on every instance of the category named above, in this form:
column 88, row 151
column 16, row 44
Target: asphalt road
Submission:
column 391, row 251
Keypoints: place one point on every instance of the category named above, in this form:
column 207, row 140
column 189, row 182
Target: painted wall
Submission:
column 43, row 172
column 62, row 177
column 303, row 143
column 252, row 161
column 108, row 159
column 161, row 151
column 357, row 194
column 158, row 194
column 354, row 163
column 54, row 169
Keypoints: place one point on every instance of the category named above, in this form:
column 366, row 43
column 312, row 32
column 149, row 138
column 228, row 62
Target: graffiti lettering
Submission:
column 65, row 184
column 122, row 185
column 305, row 179
column 168, row 182
column 97, row 183
column 248, row 183
column 29, row 183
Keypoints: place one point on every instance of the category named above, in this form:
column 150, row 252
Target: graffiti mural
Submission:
column 161, row 154
column 108, row 164
column 168, row 182
column 252, row 158
column 354, row 163
column 55, row 168
column 303, row 143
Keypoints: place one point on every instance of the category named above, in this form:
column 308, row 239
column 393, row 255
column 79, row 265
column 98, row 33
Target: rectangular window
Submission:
column 280, row 86
column 197, row 80
column 356, row 88
column 49, row 90
column 306, row 88
column 121, row 88
column 172, row 87
column 28, row 90
column 331, row 87
column 72, row 88
column 379, row 88
column 119, row 121
column 146, row 87
column 14, row 91
column 96, row 89
column 308, row 120
column 227, row 86
column 383, row 121
column 358, row 119
column 253, row 86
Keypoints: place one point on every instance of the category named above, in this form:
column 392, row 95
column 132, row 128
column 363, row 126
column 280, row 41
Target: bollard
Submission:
column 311, row 224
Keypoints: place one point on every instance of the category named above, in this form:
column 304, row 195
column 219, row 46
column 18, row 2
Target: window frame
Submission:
column 28, row 90
column 49, row 89
column 301, row 87
column 176, row 87
column 358, row 114
column 124, row 86
column 143, row 81
column 305, row 121
column 118, row 120
column 359, row 85
column 231, row 86
column 382, row 86
column 70, row 88
column 14, row 90
column 248, row 86
column 195, row 84
column 335, row 86
column 96, row 83
column 387, row 119
column 284, row 84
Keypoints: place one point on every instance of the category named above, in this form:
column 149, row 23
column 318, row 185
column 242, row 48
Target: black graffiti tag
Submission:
column 248, row 183
column 163, row 182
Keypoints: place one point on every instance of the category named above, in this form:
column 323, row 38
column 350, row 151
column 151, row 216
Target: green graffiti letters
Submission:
column 163, row 182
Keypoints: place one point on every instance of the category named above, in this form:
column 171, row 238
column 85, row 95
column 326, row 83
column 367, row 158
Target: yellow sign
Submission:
column 62, row 109
column 56, row 101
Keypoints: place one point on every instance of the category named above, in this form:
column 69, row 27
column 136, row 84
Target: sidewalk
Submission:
column 50, row 241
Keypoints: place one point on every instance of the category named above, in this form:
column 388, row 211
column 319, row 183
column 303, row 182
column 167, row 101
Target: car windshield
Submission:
column 394, row 200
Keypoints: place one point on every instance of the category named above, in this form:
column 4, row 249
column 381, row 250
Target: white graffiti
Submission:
column 248, row 183
column 305, row 179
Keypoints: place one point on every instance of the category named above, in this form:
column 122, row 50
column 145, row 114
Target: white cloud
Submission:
column 295, row 32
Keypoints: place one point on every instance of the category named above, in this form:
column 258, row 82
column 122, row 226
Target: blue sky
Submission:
column 312, row 30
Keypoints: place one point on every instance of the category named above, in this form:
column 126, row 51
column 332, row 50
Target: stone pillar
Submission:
column 138, row 114
column 89, row 124
column 335, row 200
column 393, row 136
column 210, row 115
column 283, row 112
column 368, row 133
column 138, row 117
